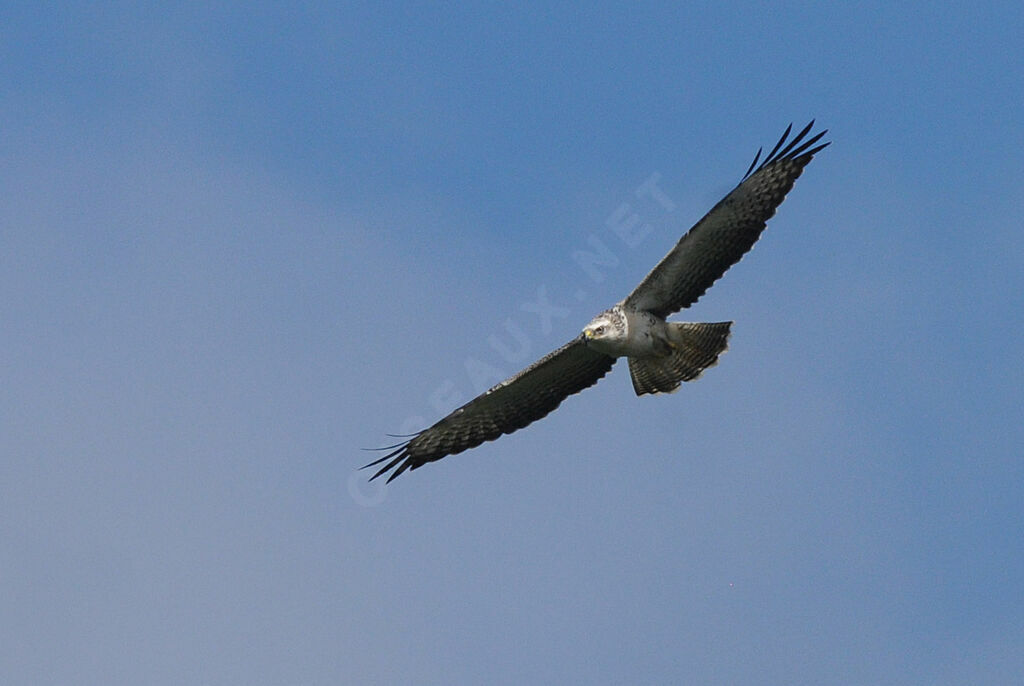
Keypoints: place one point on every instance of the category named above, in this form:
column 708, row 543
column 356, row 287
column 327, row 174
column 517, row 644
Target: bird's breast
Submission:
column 645, row 335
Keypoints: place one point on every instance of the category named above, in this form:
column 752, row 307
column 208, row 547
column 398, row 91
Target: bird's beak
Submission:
column 588, row 333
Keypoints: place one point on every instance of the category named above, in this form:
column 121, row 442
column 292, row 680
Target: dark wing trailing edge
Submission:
column 511, row 405
column 728, row 231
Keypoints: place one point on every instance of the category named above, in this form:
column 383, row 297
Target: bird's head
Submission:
column 602, row 328
column 595, row 330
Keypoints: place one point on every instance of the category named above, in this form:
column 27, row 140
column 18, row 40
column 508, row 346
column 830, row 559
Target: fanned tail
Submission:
column 695, row 347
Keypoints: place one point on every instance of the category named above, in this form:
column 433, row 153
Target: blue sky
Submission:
column 240, row 242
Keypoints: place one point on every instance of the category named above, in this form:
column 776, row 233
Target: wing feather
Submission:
column 727, row 232
column 524, row 398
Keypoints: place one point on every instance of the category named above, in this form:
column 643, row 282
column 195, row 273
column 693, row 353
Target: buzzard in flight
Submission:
column 661, row 354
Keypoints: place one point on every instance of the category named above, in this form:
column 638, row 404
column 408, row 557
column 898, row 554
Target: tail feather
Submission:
column 695, row 347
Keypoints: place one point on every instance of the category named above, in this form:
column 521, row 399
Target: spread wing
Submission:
column 512, row 404
column 727, row 232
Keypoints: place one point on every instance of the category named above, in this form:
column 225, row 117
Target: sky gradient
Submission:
column 241, row 242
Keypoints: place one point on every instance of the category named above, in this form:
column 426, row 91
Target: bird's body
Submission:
column 661, row 354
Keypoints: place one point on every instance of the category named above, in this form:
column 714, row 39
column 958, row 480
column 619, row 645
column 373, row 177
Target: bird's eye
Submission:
column 599, row 330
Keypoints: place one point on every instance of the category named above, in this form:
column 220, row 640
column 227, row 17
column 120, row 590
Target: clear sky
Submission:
column 241, row 241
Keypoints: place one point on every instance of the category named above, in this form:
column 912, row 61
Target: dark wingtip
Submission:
column 386, row 447
column 405, row 465
column 796, row 149
column 399, row 452
column 778, row 145
column 813, row 151
column 796, row 152
column 785, row 152
column 396, row 457
column 754, row 163
column 399, row 447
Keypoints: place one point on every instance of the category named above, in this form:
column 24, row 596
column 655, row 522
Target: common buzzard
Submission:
column 661, row 354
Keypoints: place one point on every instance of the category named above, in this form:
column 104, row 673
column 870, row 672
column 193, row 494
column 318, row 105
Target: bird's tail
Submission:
column 695, row 347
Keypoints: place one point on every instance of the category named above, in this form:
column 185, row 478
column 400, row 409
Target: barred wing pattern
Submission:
column 511, row 405
column 727, row 232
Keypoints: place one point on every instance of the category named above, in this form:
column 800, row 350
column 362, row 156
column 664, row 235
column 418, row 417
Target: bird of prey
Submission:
column 661, row 354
